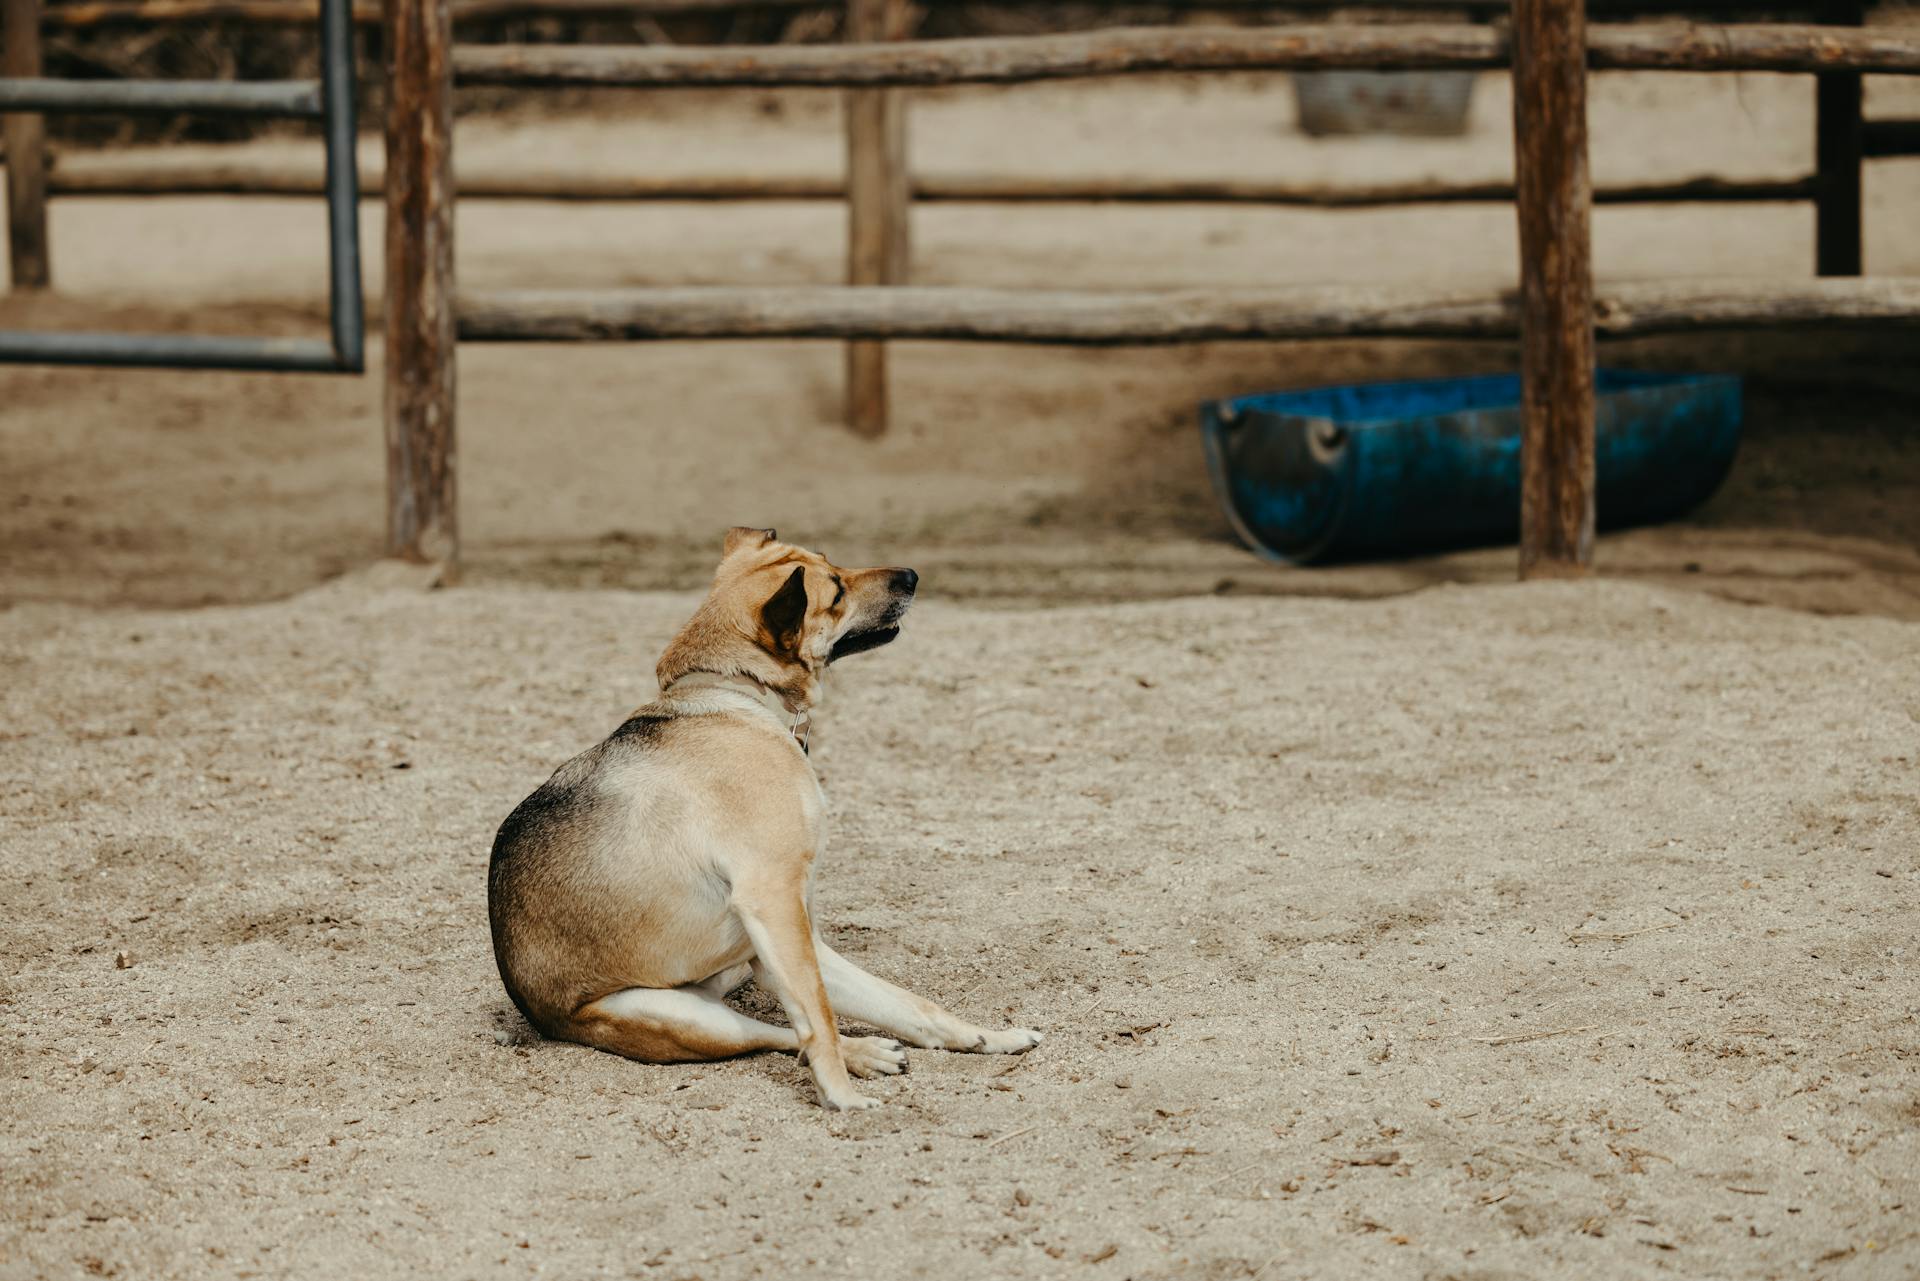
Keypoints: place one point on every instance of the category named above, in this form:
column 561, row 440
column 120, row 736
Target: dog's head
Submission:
column 780, row 614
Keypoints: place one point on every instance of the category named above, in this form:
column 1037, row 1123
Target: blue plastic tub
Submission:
column 1399, row 468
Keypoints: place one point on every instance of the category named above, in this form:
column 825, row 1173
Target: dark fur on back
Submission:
column 548, row 817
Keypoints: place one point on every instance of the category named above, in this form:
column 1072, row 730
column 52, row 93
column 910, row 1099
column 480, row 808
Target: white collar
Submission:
column 698, row 693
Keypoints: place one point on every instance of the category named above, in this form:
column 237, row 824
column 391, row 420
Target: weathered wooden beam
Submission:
column 28, row 255
column 1555, row 206
column 878, row 205
column 96, row 13
column 109, row 175
column 83, row 14
column 1839, row 147
column 1786, row 47
column 163, row 97
column 983, row 60
column 1256, row 191
column 1009, row 59
column 422, row 515
column 1145, row 317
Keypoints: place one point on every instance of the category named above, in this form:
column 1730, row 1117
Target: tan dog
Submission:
column 652, row 873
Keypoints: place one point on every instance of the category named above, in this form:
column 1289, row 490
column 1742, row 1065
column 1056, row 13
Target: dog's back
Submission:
column 599, row 880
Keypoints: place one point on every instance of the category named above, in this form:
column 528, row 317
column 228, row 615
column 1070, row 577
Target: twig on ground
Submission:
column 977, row 984
column 1603, row 936
column 1019, row 1061
column 1531, row 1156
column 1012, row 1134
column 1232, row 1173
column 1536, row 1036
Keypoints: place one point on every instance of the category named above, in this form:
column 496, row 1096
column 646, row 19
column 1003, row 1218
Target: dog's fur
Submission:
column 652, row 873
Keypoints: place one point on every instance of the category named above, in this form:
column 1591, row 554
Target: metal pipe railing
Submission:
column 330, row 100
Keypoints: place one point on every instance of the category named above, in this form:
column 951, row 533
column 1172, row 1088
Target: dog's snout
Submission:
column 905, row 581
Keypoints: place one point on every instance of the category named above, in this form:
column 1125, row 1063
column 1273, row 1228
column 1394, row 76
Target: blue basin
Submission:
column 1374, row 469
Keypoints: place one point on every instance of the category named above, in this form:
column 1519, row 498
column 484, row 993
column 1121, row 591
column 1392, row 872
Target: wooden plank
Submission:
column 28, row 254
column 83, row 14
column 878, row 205
column 1556, row 287
column 1788, row 47
column 110, row 175
column 1141, row 317
column 1255, row 191
column 1120, row 51
column 985, row 60
column 1839, row 145
column 422, row 516
column 73, row 14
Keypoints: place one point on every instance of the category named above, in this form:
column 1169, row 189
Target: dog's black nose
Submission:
column 904, row 581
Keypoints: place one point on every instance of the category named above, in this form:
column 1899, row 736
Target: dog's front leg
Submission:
column 860, row 996
column 774, row 910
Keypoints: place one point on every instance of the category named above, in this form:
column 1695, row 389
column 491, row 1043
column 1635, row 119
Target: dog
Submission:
column 654, row 872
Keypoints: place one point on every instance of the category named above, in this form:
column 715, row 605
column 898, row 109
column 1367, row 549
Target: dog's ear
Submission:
column 785, row 614
column 745, row 536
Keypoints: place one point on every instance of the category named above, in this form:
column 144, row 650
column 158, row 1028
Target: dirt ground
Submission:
column 1471, row 931
column 1486, row 932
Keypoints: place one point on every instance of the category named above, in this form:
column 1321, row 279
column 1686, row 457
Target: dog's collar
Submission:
column 740, row 685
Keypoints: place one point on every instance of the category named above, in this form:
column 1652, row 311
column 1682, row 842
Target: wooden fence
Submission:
column 86, row 14
column 1556, row 311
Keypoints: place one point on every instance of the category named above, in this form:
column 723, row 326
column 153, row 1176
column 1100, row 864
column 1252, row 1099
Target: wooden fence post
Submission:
column 1838, row 138
column 878, row 205
column 26, row 139
column 1554, row 195
column 422, row 519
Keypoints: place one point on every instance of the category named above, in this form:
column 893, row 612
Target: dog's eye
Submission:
column 839, row 591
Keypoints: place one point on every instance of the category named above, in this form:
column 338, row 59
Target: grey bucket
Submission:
column 1405, row 102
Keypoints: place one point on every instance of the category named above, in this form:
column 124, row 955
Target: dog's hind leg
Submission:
column 671, row 1025
column 727, row 980
column 859, row 996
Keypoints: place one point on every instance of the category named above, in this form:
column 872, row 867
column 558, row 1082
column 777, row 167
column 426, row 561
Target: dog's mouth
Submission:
column 861, row 642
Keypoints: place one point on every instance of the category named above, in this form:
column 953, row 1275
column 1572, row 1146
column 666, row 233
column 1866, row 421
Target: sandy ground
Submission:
column 1486, row 932
column 1291, row 882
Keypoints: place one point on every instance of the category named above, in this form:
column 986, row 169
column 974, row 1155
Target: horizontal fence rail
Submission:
column 169, row 351
column 108, row 13
column 1012, row 59
column 299, row 98
column 1155, row 316
column 110, row 177
column 100, row 13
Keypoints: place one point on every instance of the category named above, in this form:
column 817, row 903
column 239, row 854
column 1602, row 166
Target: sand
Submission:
column 1388, row 919
column 1486, row 932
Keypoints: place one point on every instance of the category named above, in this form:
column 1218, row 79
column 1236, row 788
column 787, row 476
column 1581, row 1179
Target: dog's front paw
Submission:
column 1014, row 1040
column 848, row 1102
column 873, row 1055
